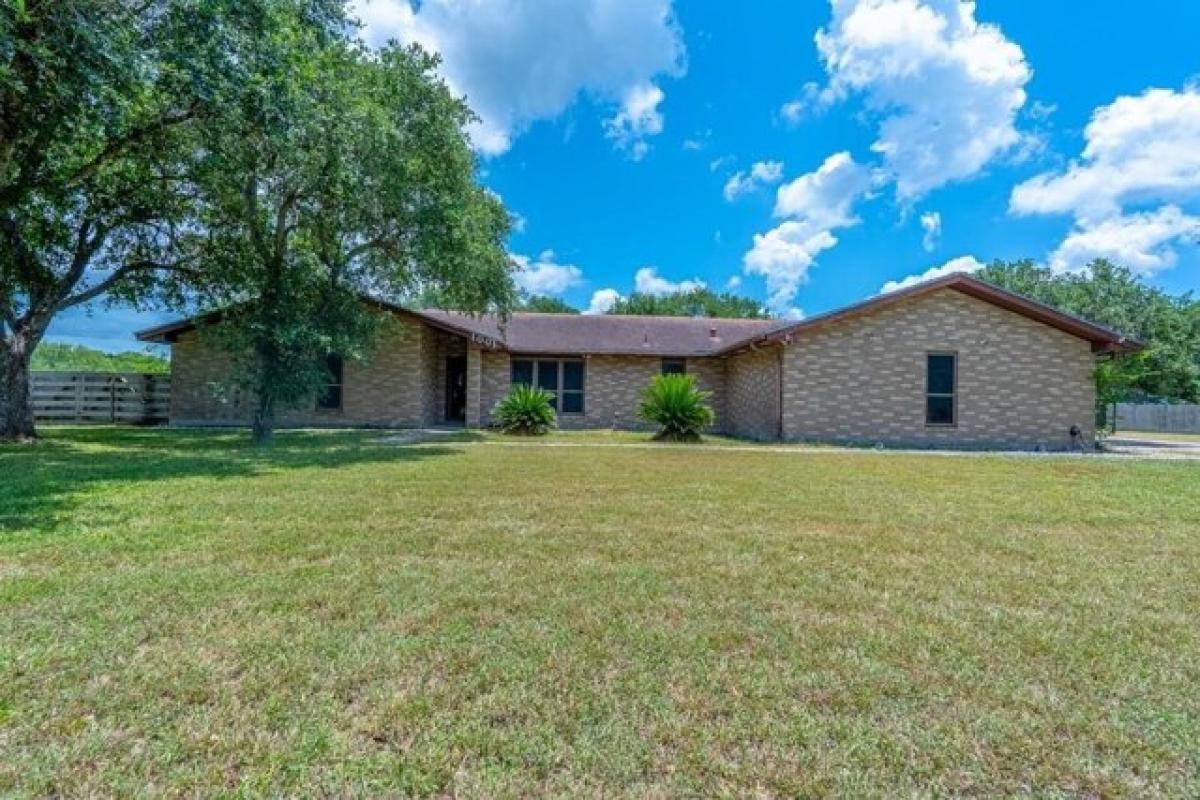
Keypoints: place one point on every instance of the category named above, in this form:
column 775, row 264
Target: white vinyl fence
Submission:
column 1182, row 418
column 101, row 397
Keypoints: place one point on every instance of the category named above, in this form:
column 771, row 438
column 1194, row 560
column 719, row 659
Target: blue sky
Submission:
column 807, row 154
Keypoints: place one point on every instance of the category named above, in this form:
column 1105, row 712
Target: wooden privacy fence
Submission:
column 1178, row 418
column 101, row 397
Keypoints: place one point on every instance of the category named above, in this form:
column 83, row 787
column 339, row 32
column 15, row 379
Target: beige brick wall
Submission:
column 1021, row 384
column 613, row 388
column 400, row 385
column 711, row 377
column 752, row 393
column 494, row 383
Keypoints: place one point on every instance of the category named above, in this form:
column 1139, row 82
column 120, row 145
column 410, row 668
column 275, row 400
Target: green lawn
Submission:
column 181, row 614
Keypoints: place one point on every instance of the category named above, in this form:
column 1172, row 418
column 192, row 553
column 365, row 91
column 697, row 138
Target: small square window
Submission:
column 674, row 366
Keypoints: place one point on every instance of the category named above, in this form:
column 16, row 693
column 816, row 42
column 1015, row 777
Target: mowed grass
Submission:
column 181, row 614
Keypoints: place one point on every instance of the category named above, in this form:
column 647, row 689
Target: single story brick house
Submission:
column 952, row 362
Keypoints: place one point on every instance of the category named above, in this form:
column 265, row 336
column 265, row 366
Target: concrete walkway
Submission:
column 1152, row 446
column 1108, row 454
column 1119, row 448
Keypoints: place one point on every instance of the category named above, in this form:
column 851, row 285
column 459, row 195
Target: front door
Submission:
column 456, row 389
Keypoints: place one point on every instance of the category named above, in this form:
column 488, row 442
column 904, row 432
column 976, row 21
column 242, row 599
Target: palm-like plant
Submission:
column 526, row 410
column 679, row 409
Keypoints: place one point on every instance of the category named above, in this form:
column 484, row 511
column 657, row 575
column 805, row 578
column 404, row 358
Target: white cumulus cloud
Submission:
column 946, row 87
column 637, row 119
column 1142, row 241
column 931, row 224
column 519, row 61
column 543, row 275
column 967, row 264
column 647, row 281
column 827, row 195
column 1144, row 147
column 813, row 205
column 602, row 301
column 1141, row 150
column 783, row 256
column 763, row 173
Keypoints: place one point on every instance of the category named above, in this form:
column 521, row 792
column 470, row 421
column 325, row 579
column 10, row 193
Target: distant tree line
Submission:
column 56, row 357
column 700, row 302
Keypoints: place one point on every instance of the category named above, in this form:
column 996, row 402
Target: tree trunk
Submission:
column 264, row 419
column 16, row 402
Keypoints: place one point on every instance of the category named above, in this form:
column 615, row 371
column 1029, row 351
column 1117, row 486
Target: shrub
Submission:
column 525, row 410
column 679, row 409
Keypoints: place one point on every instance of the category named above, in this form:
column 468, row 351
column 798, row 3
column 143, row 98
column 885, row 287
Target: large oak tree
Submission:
column 334, row 172
column 229, row 151
column 96, row 97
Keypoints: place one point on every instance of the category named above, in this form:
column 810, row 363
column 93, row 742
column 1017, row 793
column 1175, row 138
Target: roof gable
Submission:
column 1102, row 339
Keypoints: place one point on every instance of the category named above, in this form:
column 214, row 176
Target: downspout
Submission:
column 780, row 381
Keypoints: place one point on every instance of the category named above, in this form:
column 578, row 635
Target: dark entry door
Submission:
column 456, row 389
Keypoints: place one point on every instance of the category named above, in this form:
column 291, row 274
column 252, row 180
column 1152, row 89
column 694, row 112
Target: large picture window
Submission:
column 330, row 398
column 941, row 387
column 562, row 377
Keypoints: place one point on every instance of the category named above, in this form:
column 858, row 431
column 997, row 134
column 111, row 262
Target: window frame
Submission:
column 682, row 362
column 339, row 383
column 952, row 394
column 560, row 373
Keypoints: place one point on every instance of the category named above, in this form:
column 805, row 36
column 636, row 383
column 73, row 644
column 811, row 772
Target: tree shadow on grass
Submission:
column 43, row 483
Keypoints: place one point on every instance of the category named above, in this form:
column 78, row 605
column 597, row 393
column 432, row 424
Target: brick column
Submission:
column 474, row 385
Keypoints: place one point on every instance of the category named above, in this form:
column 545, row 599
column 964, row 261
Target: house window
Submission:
column 941, row 384
column 562, row 378
column 330, row 398
column 674, row 366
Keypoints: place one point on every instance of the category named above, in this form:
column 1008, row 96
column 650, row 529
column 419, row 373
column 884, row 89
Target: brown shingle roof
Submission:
column 606, row 334
column 577, row 334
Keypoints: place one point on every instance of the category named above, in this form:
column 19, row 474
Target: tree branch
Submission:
column 115, row 147
column 122, row 272
column 250, row 200
column 357, row 251
column 30, row 174
column 282, row 229
column 36, row 277
column 86, row 245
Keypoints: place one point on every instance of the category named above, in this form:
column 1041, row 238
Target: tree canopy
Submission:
column 1112, row 296
column 702, row 302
